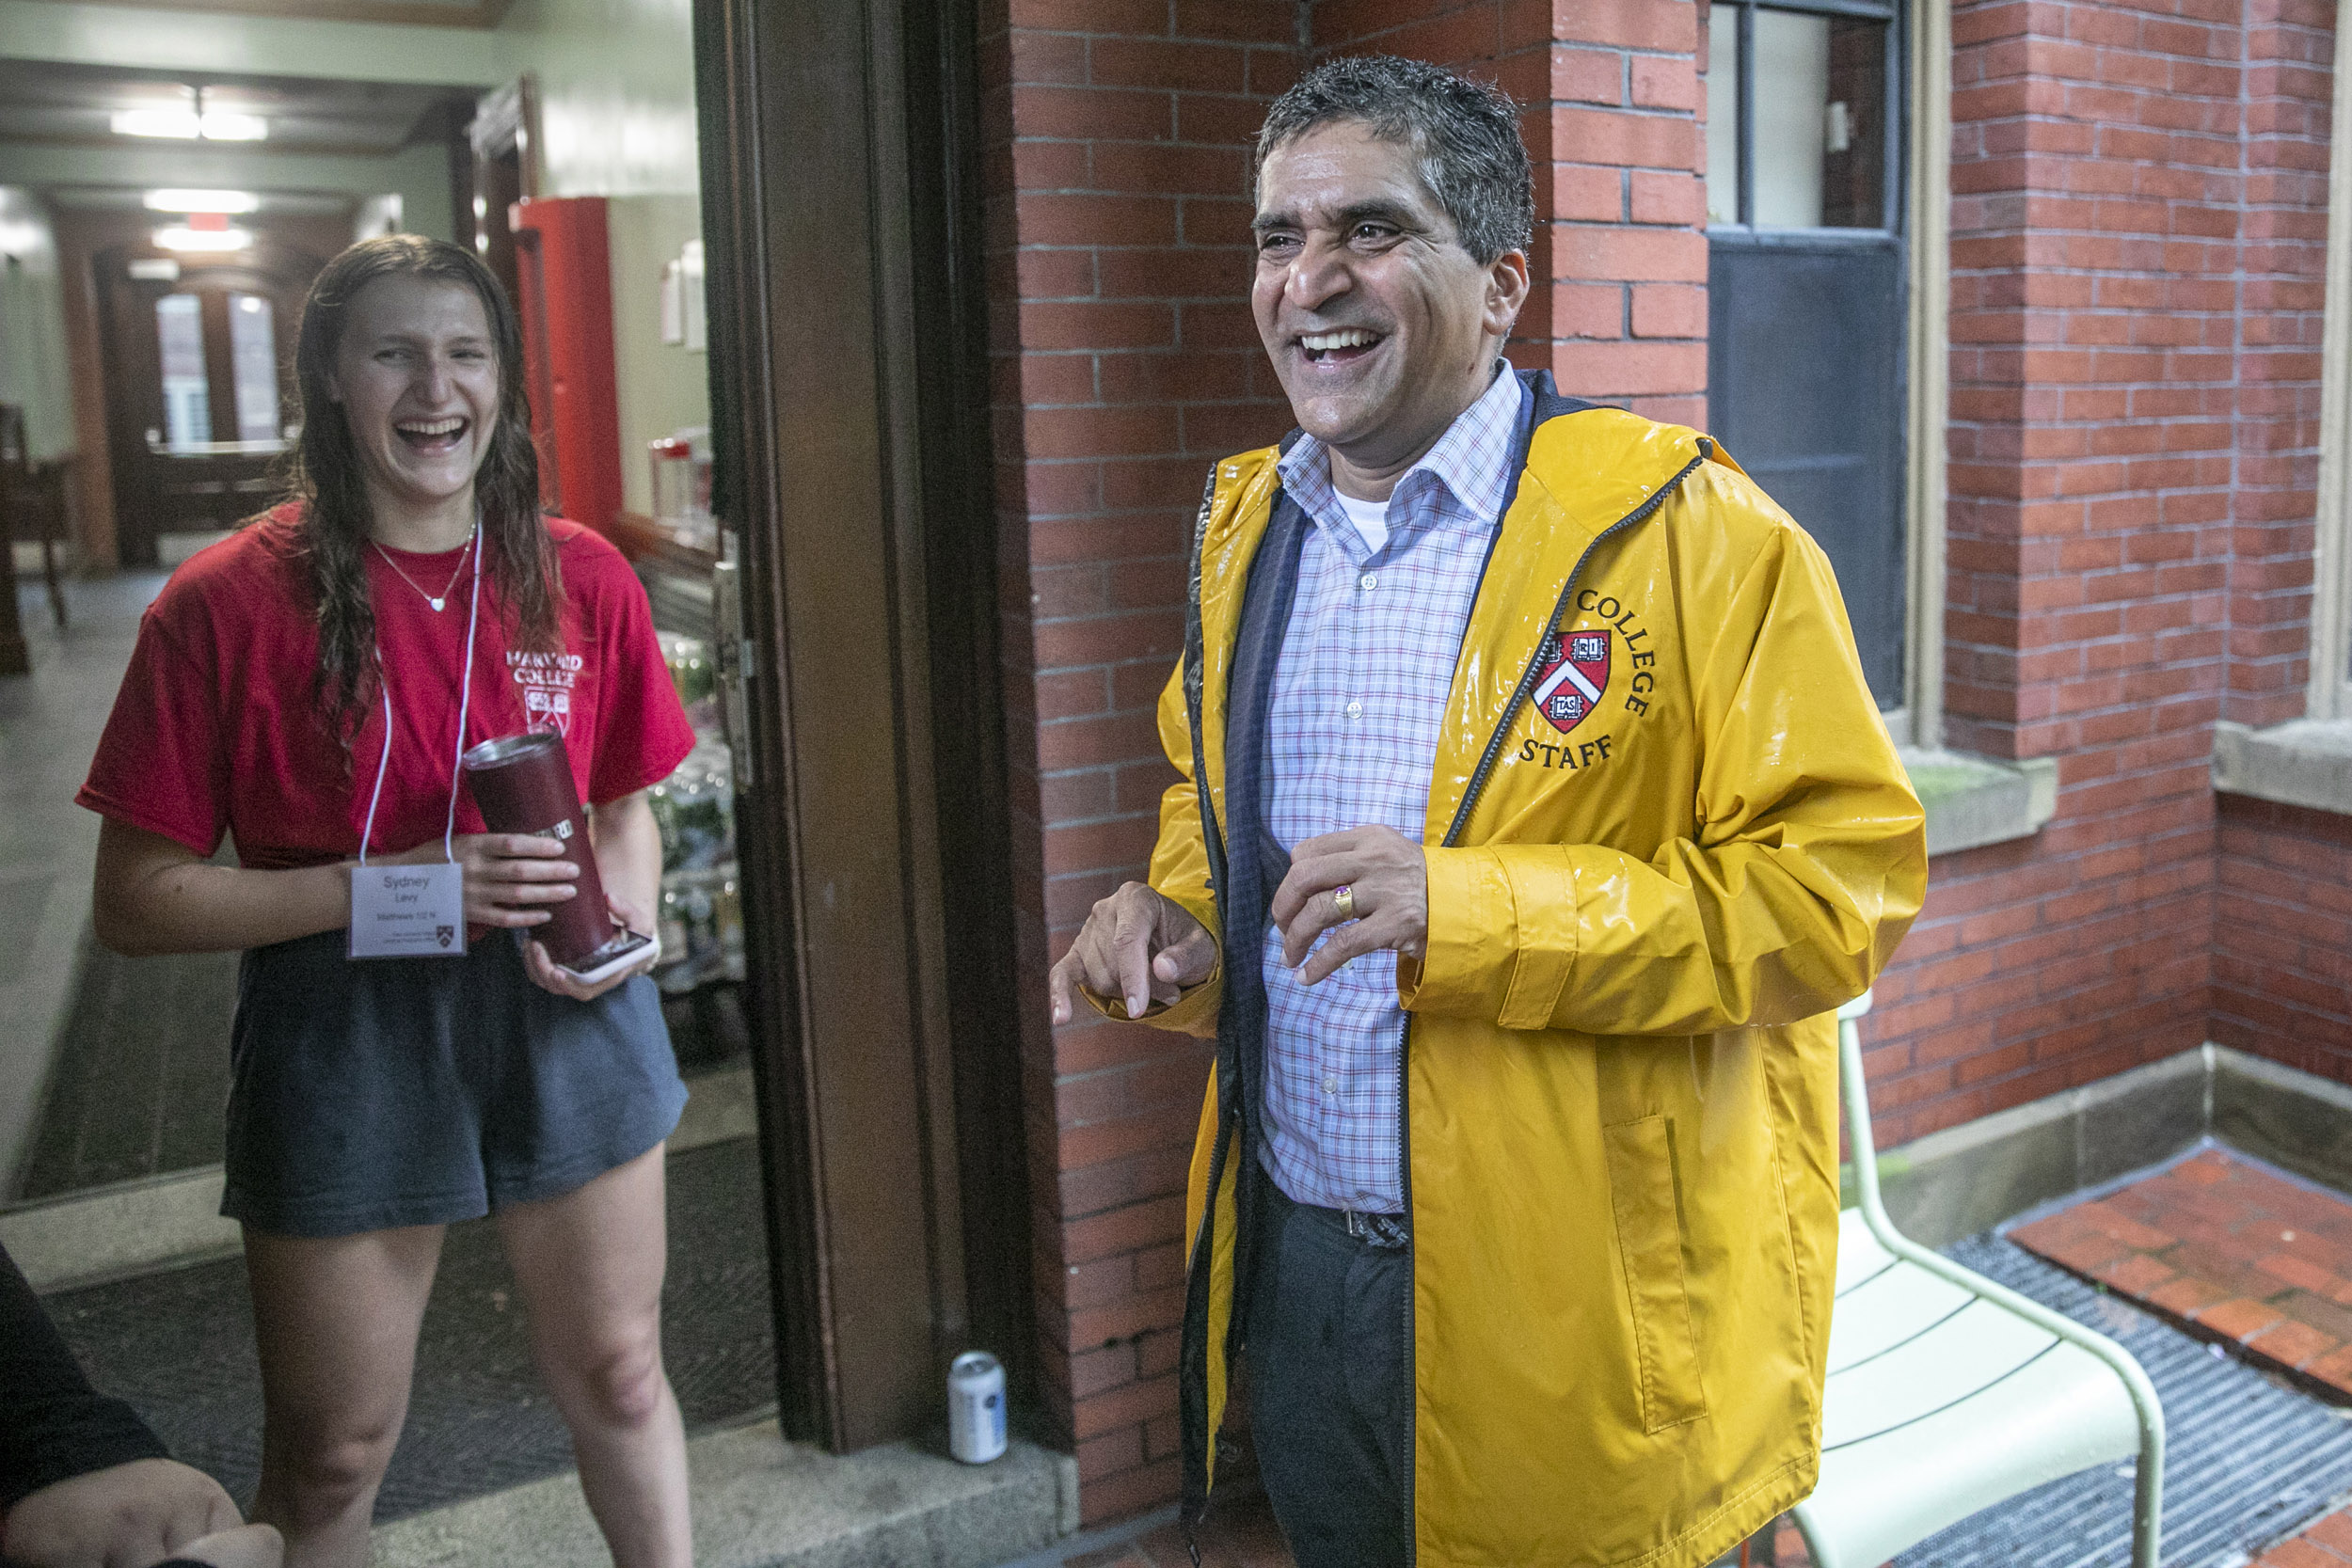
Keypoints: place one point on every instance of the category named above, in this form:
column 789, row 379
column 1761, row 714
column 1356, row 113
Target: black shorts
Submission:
column 372, row 1093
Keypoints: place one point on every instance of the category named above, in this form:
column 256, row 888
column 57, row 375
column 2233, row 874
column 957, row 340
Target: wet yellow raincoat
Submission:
column 1620, row 1068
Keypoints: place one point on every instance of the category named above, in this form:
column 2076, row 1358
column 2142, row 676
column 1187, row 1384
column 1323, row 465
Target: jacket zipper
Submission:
column 1405, row 1032
column 1527, row 678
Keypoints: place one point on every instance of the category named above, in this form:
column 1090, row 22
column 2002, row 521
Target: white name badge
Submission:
column 408, row 911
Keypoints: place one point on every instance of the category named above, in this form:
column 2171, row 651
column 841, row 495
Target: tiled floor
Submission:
column 2325, row 1545
column 2225, row 1244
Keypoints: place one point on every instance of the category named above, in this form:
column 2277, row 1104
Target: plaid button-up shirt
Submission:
column 1352, row 731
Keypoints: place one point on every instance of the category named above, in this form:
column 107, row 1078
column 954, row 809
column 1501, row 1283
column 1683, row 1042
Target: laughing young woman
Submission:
column 306, row 686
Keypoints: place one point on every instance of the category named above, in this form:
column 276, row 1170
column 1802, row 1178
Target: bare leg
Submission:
column 590, row 1264
column 337, row 1321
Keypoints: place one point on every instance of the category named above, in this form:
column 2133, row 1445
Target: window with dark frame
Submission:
column 1806, row 292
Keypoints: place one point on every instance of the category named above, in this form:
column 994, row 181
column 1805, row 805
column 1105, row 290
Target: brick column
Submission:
column 2289, row 81
column 2282, row 914
column 1614, row 102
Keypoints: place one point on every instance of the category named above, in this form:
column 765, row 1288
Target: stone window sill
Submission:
column 2304, row 762
column 1973, row 801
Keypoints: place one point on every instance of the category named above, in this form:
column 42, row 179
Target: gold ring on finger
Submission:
column 1344, row 900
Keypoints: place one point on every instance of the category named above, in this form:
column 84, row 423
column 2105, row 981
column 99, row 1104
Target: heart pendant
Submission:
column 436, row 604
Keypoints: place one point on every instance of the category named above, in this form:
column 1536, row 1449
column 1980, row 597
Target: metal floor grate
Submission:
column 2249, row 1462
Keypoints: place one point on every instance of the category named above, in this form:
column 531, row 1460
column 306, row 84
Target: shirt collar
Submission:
column 1472, row 460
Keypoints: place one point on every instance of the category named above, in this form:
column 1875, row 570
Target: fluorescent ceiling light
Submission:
column 204, row 239
column 190, row 123
column 218, row 126
column 202, row 201
column 180, row 123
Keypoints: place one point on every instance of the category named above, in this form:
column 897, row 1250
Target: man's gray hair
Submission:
column 1465, row 132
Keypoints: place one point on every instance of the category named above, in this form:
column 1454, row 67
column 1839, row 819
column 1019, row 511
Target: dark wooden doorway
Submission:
column 196, row 383
column 850, row 411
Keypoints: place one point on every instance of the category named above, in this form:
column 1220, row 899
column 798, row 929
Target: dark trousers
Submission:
column 1331, row 1359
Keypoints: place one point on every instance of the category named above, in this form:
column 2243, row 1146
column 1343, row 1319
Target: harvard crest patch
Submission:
column 1572, row 673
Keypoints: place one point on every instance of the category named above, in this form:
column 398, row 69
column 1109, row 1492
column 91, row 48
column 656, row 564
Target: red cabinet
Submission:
column 565, row 270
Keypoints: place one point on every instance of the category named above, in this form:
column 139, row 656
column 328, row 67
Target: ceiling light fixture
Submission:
column 218, row 126
column 182, row 124
column 202, row 201
column 191, row 123
column 204, row 239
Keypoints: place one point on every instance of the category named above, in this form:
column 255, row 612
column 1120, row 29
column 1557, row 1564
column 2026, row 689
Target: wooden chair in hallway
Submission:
column 1949, row 1393
column 32, row 503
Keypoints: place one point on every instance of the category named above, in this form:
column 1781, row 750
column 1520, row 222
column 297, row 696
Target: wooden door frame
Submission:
column 849, row 408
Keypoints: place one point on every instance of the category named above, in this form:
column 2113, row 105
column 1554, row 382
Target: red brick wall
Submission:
column 2137, row 227
column 1117, row 214
column 1619, row 310
column 2282, row 254
column 2283, row 920
column 2283, row 936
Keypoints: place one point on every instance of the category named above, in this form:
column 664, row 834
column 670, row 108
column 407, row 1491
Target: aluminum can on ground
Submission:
column 976, row 1407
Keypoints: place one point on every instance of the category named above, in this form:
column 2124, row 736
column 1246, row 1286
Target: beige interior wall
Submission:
column 616, row 93
column 663, row 388
column 615, row 83
column 34, row 372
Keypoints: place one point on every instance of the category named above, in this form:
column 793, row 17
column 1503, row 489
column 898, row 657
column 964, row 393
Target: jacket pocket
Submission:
column 1649, row 1247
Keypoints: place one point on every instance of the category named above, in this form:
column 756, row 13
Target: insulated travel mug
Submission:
column 522, row 784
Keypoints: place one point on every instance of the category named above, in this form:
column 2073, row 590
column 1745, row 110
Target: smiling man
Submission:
column 1535, row 818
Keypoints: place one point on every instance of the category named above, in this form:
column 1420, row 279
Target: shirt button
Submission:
column 1355, row 711
column 1330, row 1084
column 1368, row 582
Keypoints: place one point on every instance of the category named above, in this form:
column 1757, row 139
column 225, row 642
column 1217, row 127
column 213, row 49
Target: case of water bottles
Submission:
column 702, row 908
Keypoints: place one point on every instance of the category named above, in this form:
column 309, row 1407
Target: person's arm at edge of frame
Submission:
column 81, row 1473
column 1808, row 866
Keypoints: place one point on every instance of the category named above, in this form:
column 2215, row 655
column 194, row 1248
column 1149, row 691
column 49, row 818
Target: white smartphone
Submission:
column 610, row 959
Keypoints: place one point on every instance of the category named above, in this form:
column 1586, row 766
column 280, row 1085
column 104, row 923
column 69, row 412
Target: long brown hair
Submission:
column 329, row 484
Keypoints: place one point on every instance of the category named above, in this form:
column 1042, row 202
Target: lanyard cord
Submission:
column 465, row 701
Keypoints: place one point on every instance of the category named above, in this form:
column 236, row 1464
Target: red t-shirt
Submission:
column 217, row 725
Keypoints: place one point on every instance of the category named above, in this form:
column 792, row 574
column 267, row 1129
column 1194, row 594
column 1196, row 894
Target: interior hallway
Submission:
column 48, row 726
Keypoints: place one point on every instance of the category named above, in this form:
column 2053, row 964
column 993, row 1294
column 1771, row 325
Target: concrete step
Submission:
column 762, row 1502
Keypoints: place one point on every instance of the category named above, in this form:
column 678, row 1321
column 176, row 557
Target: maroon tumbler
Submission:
column 522, row 784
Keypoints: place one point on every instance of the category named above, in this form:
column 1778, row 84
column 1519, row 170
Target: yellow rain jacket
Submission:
column 1620, row 1066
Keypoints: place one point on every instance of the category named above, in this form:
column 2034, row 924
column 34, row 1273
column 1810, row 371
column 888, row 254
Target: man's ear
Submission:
column 1506, row 291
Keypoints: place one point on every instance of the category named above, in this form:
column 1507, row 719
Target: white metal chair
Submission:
column 1949, row 1393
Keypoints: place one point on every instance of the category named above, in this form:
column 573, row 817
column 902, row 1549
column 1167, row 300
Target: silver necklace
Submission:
column 436, row 600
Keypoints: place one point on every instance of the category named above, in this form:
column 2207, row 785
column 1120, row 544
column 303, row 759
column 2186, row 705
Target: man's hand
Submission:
column 1137, row 945
column 1389, row 877
column 131, row 1516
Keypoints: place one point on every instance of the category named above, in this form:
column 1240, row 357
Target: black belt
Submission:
column 1375, row 1230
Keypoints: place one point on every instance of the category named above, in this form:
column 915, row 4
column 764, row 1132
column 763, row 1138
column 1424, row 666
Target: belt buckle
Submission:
column 1379, row 1230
